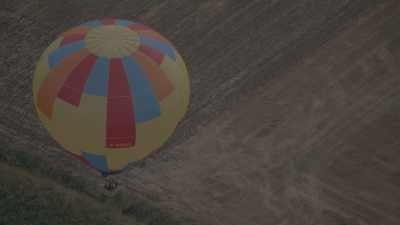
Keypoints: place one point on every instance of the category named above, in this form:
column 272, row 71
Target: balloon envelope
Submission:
column 111, row 92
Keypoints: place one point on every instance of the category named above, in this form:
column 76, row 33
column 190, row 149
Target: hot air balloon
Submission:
column 111, row 92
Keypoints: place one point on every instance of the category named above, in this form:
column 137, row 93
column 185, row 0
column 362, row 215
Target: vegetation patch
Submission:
column 31, row 200
column 32, row 192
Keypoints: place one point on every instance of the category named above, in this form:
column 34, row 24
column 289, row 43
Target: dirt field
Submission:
column 294, row 115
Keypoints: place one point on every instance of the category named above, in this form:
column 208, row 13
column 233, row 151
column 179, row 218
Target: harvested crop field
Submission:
column 294, row 115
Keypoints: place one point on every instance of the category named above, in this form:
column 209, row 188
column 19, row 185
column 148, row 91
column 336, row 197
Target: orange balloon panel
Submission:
column 111, row 92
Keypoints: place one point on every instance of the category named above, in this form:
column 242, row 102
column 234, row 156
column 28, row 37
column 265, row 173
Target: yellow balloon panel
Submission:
column 42, row 67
